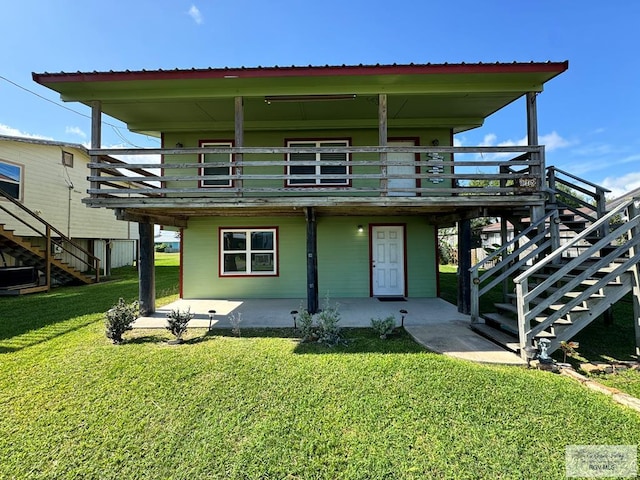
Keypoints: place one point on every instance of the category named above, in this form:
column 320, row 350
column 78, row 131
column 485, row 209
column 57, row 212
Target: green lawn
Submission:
column 72, row 405
column 599, row 342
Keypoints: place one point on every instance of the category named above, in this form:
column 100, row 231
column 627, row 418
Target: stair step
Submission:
column 565, row 322
column 497, row 336
column 509, row 325
column 507, row 307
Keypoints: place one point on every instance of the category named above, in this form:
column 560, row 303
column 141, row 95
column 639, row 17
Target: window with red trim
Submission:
column 333, row 173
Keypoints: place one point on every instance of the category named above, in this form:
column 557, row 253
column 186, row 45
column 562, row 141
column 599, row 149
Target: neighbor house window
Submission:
column 248, row 251
column 67, row 159
column 332, row 174
column 218, row 164
column 11, row 179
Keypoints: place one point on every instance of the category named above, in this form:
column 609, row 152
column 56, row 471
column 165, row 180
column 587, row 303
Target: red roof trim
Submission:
column 298, row 71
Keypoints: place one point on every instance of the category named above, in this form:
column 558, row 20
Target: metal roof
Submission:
column 456, row 96
column 309, row 70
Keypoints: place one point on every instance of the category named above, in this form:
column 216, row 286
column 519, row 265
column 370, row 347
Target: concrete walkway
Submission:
column 434, row 323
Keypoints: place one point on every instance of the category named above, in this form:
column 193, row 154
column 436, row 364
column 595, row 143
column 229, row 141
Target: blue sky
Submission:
column 587, row 116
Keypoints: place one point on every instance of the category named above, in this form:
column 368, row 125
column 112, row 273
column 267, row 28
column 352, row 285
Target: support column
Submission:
column 537, row 212
column 96, row 140
column 312, row 261
column 146, row 270
column 107, row 257
column 464, row 264
column 239, row 142
column 382, row 141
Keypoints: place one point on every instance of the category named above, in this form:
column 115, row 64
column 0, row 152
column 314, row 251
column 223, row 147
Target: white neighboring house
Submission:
column 50, row 179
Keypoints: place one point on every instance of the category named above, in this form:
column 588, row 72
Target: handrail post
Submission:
column 551, row 184
column 601, row 209
column 522, row 289
column 475, row 296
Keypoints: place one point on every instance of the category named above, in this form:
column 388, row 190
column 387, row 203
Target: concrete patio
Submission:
column 432, row 322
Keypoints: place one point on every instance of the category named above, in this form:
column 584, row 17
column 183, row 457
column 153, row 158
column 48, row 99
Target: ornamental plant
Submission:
column 177, row 322
column 119, row 318
column 383, row 326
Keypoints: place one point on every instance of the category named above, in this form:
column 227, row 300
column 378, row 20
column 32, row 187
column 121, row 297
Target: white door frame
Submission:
column 396, row 283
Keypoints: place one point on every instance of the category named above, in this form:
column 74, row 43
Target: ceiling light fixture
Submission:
column 307, row 98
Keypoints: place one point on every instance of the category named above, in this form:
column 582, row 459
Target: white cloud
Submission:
column 553, row 141
column 14, row 132
column 621, row 185
column 195, row 14
column 75, row 131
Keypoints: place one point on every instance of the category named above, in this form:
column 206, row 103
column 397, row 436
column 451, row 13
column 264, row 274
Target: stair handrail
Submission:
column 506, row 261
column 598, row 196
column 93, row 262
column 524, row 296
column 572, row 243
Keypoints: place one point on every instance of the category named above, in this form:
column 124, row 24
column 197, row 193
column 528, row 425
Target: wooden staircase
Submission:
column 561, row 272
column 37, row 265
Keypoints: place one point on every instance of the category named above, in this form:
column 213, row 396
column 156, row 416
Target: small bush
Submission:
column 383, row 327
column 119, row 319
column 306, row 325
column 235, row 319
column 328, row 328
column 177, row 322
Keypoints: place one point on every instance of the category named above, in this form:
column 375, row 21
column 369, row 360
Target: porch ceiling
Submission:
column 457, row 96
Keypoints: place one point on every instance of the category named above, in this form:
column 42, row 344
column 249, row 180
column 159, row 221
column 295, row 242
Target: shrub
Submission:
column 328, row 328
column 383, row 327
column 177, row 322
column 235, row 319
column 306, row 325
column 119, row 319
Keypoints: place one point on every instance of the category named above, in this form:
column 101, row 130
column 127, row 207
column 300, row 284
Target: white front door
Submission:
column 406, row 166
column 387, row 260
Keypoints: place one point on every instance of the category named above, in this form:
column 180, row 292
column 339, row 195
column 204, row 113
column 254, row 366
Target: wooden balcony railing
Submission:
column 267, row 171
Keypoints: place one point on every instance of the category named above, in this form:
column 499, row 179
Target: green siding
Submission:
column 364, row 137
column 343, row 258
column 201, row 277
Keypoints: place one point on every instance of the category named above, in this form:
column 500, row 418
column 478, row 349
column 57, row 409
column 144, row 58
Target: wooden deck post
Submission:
column 96, row 139
column 382, row 141
column 146, row 270
column 239, row 142
column 537, row 212
column 312, row 261
column 464, row 264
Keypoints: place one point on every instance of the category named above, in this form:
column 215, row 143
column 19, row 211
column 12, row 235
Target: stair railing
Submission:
column 625, row 241
column 528, row 244
column 90, row 260
column 591, row 209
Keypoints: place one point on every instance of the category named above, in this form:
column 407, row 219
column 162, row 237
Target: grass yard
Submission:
column 72, row 405
column 599, row 342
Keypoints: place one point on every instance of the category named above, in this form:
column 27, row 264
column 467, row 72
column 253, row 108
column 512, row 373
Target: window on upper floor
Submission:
column 248, row 251
column 218, row 164
column 11, row 179
column 327, row 174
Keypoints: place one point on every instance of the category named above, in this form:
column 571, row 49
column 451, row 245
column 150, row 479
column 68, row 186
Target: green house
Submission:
column 303, row 181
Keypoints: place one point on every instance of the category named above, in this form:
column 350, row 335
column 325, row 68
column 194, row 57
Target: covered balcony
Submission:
column 333, row 180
